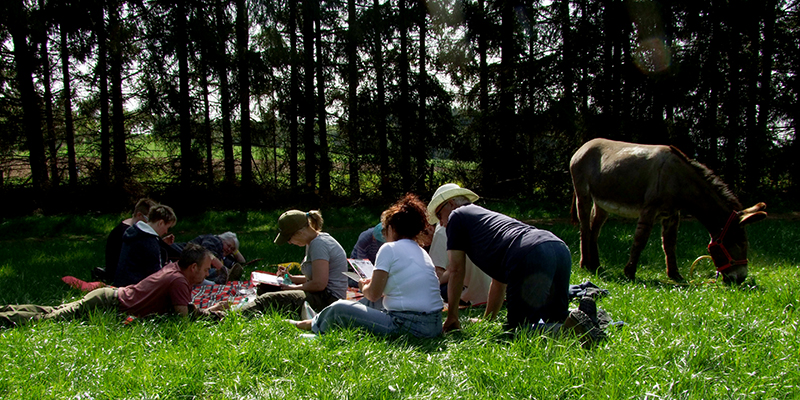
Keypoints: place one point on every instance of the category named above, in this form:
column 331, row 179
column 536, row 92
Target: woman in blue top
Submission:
column 404, row 279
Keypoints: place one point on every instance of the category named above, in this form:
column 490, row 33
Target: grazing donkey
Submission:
column 656, row 183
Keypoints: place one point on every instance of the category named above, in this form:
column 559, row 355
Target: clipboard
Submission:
column 362, row 268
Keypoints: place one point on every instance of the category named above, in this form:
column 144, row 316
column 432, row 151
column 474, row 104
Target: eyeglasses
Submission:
column 439, row 210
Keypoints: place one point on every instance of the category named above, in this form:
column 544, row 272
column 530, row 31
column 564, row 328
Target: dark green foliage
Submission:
column 172, row 93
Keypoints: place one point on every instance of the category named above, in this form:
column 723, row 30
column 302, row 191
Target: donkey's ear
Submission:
column 758, row 207
column 750, row 218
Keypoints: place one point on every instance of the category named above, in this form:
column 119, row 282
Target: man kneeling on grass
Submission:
column 164, row 292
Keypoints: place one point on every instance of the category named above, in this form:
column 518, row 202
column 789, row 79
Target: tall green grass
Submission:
column 696, row 340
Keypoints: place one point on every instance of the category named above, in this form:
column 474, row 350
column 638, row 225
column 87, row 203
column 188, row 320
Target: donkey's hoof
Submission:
column 591, row 268
column 677, row 277
column 630, row 274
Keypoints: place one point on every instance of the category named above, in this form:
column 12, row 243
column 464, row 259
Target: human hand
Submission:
column 363, row 282
column 281, row 271
column 169, row 239
column 221, row 306
column 451, row 324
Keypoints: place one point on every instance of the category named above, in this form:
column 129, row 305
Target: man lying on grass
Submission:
column 164, row 292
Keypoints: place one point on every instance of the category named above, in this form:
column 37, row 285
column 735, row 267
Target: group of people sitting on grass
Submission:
column 473, row 256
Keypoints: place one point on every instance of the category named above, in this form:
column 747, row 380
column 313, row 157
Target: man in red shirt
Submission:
column 164, row 292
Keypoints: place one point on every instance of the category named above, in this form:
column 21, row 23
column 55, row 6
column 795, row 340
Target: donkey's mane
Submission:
column 716, row 183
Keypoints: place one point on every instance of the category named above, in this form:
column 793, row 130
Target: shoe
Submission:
column 99, row 274
column 583, row 327
column 222, row 276
column 589, row 307
column 235, row 272
column 306, row 312
column 82, row 285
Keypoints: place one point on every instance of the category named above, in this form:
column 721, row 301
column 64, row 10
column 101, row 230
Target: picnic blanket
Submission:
column 236, row 292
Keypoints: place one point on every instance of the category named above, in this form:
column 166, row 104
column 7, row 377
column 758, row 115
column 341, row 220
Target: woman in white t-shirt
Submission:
column 404, row 279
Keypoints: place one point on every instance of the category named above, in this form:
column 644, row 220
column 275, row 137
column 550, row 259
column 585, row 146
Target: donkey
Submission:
column 651, row 183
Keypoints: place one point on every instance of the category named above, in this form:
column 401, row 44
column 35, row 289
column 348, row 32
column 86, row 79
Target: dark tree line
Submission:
column 367, row 99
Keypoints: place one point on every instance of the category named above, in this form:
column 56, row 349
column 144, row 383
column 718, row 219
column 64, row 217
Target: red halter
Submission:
column 722, row 258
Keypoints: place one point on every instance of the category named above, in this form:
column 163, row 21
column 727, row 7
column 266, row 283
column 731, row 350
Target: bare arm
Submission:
column 319, row 271
column 237, row 255
column 373, row 287
column 216, row 308
column 497, row 293
column 456, row 267
column 442, row 274
column 182, row 310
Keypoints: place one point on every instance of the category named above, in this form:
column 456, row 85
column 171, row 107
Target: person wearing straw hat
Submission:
column 530, row 266
column 321, row 282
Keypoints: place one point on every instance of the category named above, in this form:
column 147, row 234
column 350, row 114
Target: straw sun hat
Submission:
column 444, row 193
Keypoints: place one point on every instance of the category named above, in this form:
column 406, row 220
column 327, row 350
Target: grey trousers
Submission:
column 98, row 299
column 290, row 301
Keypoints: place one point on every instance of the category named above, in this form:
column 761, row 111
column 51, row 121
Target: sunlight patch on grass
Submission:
column 7, row 271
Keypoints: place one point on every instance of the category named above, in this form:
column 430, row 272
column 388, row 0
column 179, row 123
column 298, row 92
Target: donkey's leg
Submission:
column 599, row 217
column 643, row 228
column 583, row 204
column 669, row 240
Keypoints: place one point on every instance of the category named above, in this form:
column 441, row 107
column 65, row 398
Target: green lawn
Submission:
column 698, row 340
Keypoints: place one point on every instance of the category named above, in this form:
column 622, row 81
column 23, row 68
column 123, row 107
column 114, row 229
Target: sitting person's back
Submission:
column 114, row 241
column 141, row 255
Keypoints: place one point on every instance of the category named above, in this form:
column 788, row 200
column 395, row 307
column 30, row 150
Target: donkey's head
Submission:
column 729, row 248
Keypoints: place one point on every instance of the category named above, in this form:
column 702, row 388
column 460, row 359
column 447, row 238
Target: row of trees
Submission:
column 370, row 98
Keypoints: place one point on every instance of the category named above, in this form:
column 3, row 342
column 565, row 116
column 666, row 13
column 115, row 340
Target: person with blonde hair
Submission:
column 321, row 282
column 404, row 279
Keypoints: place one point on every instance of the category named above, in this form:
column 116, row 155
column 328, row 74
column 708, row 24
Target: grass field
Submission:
column 698, row 340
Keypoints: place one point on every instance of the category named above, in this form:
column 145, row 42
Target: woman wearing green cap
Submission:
column 322, row 281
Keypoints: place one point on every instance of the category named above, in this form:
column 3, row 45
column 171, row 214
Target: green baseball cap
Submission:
column 290, row 222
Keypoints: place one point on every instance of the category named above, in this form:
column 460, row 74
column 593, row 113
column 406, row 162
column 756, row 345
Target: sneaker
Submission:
column 82, row 285
column 306, row 312
column 235, row 272
column 583, row 327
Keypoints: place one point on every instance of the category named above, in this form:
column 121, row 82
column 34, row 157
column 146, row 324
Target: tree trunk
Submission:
column 757, row 150
column 380, row 117
column 118, row 113
column 485, row 125
column 182, row 40
column 102, row 74
column 69, row 128
column 224, row 94
column 354, row 163
column 422, row 128
column 324, row 160
column 507, row 129
column 308, row 126
column 242, row 36
column 294, row 97
column 404, row 114
column 733, row 102
column 48, row 105
column 568, row 75
column 207, row 127
column 23, row 58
